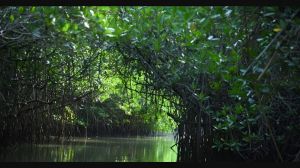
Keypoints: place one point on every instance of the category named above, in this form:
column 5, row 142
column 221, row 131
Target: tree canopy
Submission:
column 226, row 78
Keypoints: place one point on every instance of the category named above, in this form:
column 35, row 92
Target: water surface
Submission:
column 104, row 149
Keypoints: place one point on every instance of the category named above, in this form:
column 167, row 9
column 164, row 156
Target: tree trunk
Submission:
column 194, row 129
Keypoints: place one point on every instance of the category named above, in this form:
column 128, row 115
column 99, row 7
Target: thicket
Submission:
column 226, row 76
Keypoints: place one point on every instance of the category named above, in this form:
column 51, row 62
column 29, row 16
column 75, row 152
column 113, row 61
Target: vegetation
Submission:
column 225, row 77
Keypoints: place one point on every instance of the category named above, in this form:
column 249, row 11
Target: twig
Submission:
column 173, row 146
column 3, row 97
column 268, row 46
column 297, row 157
column 273, row 139
column 262, row 53
column 267, row 66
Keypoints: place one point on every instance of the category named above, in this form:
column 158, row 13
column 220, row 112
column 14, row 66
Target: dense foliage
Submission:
column 225, row 77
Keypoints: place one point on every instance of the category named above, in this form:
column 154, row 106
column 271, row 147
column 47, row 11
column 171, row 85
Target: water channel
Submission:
column 104, row 149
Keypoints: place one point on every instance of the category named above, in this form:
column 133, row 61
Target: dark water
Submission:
column 137, row 149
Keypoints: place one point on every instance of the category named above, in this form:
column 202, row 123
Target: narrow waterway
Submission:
column 104, row 149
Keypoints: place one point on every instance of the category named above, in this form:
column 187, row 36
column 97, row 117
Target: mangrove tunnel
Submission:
column 222, row 81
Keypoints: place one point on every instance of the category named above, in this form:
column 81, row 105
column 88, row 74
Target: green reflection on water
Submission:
column 143, row 149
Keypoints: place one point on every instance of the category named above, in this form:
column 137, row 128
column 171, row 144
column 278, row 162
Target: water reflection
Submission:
column 146, row 149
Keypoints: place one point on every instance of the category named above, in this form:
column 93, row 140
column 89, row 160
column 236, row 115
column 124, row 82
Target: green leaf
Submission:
column 75, row 26
column 66, row 27
column 105, row 8
column 156, row 45
column 86, row 24
column 11, row 18
column 202, row 97
column 239, row 109
column 109, row 31
column 21, row 10
column 32, row 10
